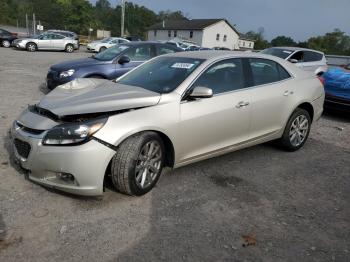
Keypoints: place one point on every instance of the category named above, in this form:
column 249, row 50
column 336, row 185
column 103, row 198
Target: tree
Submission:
column 260, row 42
column 334, row 43
column 169, row 15
column 283, row 41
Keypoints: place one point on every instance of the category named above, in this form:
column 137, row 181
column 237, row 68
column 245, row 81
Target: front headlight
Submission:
column 73, row 133
column 67, row 73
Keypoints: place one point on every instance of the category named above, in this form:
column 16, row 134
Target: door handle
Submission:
column 242, row 104
column 287, row 93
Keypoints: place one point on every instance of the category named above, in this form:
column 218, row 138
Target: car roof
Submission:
column 136, row 43
column 293, row 48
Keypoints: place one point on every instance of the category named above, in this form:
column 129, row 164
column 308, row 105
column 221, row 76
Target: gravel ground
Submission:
column 289, row 206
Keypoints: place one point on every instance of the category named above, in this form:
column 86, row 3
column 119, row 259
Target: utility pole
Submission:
column 34, row 25
column 123, row 18
column 27, row 24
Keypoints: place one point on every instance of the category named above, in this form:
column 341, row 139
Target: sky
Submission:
column 299, row 19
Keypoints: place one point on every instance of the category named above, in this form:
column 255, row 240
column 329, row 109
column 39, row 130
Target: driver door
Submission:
column 137, row 55
column 44, row 41
column 209, row 125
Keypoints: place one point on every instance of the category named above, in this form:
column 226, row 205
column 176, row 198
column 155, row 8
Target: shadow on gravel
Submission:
column 203, row 211
column 337, row 115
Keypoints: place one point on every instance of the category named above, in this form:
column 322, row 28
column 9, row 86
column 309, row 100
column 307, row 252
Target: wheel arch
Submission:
column 168, row 145
column 308, row 107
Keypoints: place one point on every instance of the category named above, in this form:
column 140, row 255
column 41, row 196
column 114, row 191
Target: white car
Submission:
column 305, row 59
column 99, row 46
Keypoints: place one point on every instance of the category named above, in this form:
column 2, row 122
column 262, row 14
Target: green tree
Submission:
column 260, row 42
column 169, row 15
column 334, row 43
column 283, row 41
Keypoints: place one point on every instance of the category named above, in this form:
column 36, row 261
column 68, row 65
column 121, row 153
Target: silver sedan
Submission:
column 47, row 41
column 171, row 111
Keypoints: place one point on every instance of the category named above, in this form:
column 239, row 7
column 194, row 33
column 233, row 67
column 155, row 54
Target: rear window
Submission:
column 279, row 52
column 265, row 71
column 310, row 56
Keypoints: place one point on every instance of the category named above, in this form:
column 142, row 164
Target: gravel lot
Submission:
column 296, row 205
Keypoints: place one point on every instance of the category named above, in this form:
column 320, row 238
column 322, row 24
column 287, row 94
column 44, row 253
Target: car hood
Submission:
column 88, row 95
column 73, row 64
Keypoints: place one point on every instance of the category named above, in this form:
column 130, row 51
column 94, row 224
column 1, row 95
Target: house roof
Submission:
column 245, row 37
column 192, row 24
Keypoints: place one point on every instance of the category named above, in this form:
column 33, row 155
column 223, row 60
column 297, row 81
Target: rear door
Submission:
column 58, row 42
column 271, row 91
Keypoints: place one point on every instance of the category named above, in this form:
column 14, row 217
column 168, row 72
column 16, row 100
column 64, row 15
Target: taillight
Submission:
column 14, row 34
column 321, row 80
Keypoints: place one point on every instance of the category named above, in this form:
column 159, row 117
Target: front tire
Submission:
column 31, row 47
column 297, row 130
column 6, row 43
column 138, row 163
column 69, row 48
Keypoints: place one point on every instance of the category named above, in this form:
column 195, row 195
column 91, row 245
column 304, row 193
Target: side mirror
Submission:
column 123, row 60
column 201, row 92
column 293, row 61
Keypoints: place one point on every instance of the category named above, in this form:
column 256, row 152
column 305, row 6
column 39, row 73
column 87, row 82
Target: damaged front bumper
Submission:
column 74, row 169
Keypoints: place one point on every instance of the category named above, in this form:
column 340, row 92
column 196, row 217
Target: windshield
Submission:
column 110, row 53
column 106, row 40
column 163, row 74
column 279, row 52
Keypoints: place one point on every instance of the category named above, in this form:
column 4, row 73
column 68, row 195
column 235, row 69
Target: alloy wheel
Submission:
column 31, row 47
column 6, row 43
column 148, row 164
column 70, row 49
column 299, row 130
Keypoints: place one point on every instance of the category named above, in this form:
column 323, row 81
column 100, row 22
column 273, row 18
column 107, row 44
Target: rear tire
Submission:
column 31, row 47
column 103, row 48
column 297, row 131
column 138, row 163
column 69, row 48
column 6, row 43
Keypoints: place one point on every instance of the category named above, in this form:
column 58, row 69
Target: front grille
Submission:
column 23, row 148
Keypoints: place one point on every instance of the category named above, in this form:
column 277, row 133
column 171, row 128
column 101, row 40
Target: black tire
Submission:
column 69, row 48
column 6, row 43
column 127, row 159
column 102, row 48
column 31, row 47
column 286, row 140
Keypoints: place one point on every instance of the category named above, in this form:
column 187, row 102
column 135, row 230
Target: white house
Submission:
column 204, row 32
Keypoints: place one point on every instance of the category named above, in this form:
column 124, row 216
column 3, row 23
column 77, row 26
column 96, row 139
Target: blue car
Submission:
column 109, row 64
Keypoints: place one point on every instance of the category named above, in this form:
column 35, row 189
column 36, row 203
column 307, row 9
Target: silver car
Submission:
column 174, row 110
column 47, row 41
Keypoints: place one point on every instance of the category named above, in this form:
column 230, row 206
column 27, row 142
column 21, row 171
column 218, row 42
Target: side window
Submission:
column 266, row 71
column 223, row 76
column 298, row 56
column 162, row 50
column 57, row 36
column 310, row 56
column 141, row 53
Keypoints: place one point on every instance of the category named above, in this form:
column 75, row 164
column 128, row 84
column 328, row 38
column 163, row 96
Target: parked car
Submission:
column 99, row 46
column 185, row 46
column 221, row 48
column 6, row 38
column 67, row 34
column 306, row 59
column 337, row 88
column 174, row 110
column 47, row 41
column 109, row 64
column 346, row 67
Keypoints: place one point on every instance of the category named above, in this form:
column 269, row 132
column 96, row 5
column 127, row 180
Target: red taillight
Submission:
column 321, row 80
column 14, row 34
